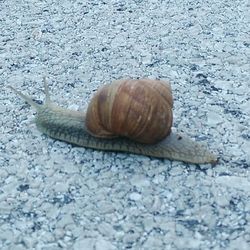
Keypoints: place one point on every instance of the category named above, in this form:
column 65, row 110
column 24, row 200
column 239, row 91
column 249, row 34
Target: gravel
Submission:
column 56, row 196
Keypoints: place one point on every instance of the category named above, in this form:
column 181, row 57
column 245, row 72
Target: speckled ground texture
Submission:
column 56, row 196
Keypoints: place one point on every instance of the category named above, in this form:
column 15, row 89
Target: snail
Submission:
column 133, row 116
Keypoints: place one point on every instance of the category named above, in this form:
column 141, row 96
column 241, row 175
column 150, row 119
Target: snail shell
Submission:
column 138, row 109
column 74, row 127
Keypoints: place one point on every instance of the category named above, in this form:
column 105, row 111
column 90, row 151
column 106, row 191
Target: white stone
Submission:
column 140, row 181
column 84, row 243
column 103, row 244
column 135, row 196
column 213, row 118
column 106, row 229
column 241, row 183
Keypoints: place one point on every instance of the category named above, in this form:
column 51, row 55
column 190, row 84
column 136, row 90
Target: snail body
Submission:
column 77, row 127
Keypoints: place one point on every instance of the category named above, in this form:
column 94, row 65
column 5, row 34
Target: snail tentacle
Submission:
column 46, row 91
column 28, row 99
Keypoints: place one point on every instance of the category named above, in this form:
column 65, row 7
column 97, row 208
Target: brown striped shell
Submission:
column 138, row 109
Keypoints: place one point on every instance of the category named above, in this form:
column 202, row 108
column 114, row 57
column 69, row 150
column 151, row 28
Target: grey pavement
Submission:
column 57, row 196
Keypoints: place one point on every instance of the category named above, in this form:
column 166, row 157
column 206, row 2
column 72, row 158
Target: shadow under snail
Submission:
column 133, row 116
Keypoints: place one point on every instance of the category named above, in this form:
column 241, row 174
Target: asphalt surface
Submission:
column 56, row 196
